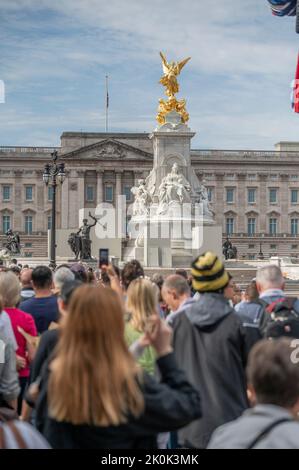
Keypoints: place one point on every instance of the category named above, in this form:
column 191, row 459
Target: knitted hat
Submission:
column 208, row 273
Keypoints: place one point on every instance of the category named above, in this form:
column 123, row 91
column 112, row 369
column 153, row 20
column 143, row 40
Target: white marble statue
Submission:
column 203, row 198
column 142, row 199
column 173, row 188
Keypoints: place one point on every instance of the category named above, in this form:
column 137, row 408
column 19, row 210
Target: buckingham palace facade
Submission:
column 254, row 195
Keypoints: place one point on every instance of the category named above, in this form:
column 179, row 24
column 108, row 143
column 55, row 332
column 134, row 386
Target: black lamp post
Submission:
column 261, row 254
column 53, row 172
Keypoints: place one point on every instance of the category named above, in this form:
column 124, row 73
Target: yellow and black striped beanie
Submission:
column 208, row 273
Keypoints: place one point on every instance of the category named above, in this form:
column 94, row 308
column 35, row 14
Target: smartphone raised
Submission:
column 103, row 257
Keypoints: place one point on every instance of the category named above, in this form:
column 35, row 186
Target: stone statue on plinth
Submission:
column 142, row 199
column 173, row 188
column 203, row 198
column 74, row 241
column 229, row 251
column 84, row 232
column 13, row 242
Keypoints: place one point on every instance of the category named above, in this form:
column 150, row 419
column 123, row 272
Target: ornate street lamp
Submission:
column 53, row 172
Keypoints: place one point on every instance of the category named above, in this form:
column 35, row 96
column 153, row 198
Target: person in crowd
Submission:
column 182, row 272
column 62, row 274
column 176, row 294
column 211, row 346
column 10, row 291
column 270, row 284
column 27, row 290
column 104, row 277
column 232, row 292
column 9, row 384
column 142, row 304
column 18, row 435
column 43, row 306
column 273, row 383
column 79, row 272
column 47, row 344
column 131, row 271
column 247, row 309
column 49, row 338
column 6, row 327
column 91, row 279
column 13, row 262
column 16, row 270
column 158, row 280
column 96, row 395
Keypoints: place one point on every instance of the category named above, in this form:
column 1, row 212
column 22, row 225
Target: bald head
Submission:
column 26, row 278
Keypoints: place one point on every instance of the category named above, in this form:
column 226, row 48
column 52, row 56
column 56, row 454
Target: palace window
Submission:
column 273, row 196
column 127, row 193
column 6, row 223
column 294, row 196
column 89, row 193
column 272, row 226
column 49, row 222
column 229, row 226
column 251, row 195
column 108, row 193
column 6, row 193
column 230, row 195
column 29, row 193
column 294, row 226
column 50, row 193
column 28, row 224
column 251, row 224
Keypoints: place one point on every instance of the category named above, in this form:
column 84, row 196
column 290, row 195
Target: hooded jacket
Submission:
column 212, row 346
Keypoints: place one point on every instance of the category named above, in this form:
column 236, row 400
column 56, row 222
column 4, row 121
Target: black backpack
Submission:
column 279, row 318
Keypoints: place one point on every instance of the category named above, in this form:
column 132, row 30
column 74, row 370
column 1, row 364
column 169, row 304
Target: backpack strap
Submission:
column 2, row 438
column 266, row 431
column 17, row 435
column 270, row 307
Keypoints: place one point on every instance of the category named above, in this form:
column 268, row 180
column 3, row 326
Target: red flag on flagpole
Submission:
column 296, row 89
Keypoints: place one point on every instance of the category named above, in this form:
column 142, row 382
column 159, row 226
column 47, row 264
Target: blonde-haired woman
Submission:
column 10, row 290
column 142, row 305
column 94, row 395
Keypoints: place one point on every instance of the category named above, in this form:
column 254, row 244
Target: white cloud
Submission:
column 242, row 60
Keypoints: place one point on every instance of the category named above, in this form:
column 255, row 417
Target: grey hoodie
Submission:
column 211, row 346
column 9, row 384
column 241, row 432
column 212, row 307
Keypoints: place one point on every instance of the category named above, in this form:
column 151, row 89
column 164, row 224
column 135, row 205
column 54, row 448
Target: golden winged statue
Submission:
column 169, row 80
column 171, row 71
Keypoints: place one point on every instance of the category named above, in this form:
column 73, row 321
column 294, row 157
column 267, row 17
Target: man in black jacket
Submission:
column 211, row 346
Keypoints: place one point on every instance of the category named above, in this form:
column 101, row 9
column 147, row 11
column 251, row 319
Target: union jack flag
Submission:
column 283, row 7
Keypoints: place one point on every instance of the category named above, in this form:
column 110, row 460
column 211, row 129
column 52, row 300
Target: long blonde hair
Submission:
column 142, row 302
column 93, row 377
column 10, row 289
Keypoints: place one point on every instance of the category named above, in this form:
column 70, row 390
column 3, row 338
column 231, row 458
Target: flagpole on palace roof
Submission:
column 107, row 104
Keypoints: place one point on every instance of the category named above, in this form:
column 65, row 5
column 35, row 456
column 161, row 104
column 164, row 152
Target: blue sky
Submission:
column 54, row 55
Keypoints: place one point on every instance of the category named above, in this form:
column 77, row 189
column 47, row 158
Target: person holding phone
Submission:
column 142, row 309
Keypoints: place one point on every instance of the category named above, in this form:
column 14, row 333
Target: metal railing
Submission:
column 17, row 149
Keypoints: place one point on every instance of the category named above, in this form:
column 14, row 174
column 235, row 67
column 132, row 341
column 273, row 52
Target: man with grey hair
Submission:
column 62, row 275
column 176, row 294
column 270, row 285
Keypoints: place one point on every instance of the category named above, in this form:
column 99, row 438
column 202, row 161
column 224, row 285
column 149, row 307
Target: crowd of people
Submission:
column 112, row 359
